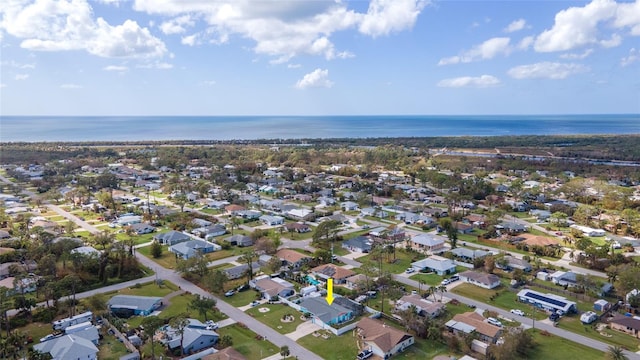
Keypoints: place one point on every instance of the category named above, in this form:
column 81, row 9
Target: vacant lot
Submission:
column 274, row 316
column 333, row 347
column 244, row 340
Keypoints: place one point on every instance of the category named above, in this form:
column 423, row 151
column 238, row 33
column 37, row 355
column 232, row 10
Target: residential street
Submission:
column 281, row 340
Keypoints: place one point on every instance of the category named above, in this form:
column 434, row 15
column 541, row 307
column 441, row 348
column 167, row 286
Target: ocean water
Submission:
column 132, row 128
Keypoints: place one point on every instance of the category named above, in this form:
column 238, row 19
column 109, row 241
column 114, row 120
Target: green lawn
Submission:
column 36, row 330
column 573, row 324
column 334, row 348
column 274, row 315
column 403, row 261
column 244, row 340
column 179, row 305
column 554, row 347
column 111, row 348
column 430, row 279
column 167, row 259
column 138, row 239
column 423, row 349
column 505, row 298
column 242, row 298
column 148, row 289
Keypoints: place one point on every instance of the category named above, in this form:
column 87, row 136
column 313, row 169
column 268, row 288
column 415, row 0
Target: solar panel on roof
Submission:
column 546, row 299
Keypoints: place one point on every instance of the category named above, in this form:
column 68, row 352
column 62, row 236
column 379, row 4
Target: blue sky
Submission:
column 297, row 57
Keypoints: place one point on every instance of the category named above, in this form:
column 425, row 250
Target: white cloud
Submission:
column 482, row 81
column 285, row 29
column 581, row 26
column 156, row 65
column 546, row 70
column 386, row 16
column 177, row 25
column 487, row 50
column 293, row 66
column 21, row 77
column 115, row 3
column 634, row 55
column 115, row 68
column 577, row 56
column 190, row 40
column 516, row 25
column 58, row 25
column 316, row 78
column 70, row 86
column 209, row 82
column 525, row 43
column 17, row 65
column 3, row 85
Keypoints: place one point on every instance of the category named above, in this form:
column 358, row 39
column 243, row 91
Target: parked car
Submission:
column 365, row 354
column 410, row 270
column 229, row 293
column 517, row 312
column 445, row 282
column 243, row 287
column 211, row 325
column 494, row 321
column 454, row 278
column 255, row 303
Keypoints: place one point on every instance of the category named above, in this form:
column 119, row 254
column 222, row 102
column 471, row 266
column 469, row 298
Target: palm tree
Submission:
column 441, row 289
column 248, row 256
column 151, row 324
column 616, row 353
column 179, row 323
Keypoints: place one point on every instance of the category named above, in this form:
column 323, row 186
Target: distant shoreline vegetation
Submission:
column 625, row 148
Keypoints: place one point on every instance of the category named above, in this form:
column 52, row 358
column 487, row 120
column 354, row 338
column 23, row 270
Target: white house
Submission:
column 484, row 280
column 383, row 340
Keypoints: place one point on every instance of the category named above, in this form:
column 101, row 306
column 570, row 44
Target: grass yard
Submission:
column 334, row 348
column 274, row 315
column 111, row 349
column 431, row 279
column 554, row 347
column 403, row 261
column 423, row 349
column 242, row 298
column 573, row 324
column 244, row 340
column 148, row 289
column 167, row 259
column 505, row 298
column 36, row 330
column 217, row 255
column 138, row 239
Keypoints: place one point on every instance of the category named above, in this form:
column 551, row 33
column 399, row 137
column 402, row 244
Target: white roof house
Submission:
column 437, row 264
column 69, row 347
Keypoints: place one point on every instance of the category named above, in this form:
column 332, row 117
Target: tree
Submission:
column 284, row 351
column 558, row 218
column 181, row 201
column 628, row 279
column 151, row 324
column 225, row 341
column 156, row 249
column 248, row 256
column 615, row 353
column 517, row 344
column 202, row 305
column 97, row 304
column 216, row 281
column 441, row 289
column 103, row 238
column 179, row 324
column 326, row 230
column 489, row 264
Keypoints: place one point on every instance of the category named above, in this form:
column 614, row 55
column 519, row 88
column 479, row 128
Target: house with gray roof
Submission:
column 239, row 271
column 133, row 305
column 194, row 338
column 239, row 240
column 468, row 255
column 514, row 263
column 272, row 220
column 436, row 264
column 325, row 314
column 191, row 248
column 69, row 347
column 171, row 238
column 427, row 243
column 142, row 228
column 209, row 232
column 358, row 244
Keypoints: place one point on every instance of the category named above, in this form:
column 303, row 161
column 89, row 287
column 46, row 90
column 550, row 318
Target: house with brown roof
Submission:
column 292, row 258
column 272, row 288
column 234, row 209
column 484, row 280
column 627, row 325
column 382, row 339
column 227, row 353
column 472, row 322
column 337, row 273
column 297, row 227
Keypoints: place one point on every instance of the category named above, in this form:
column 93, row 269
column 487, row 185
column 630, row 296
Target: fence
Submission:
column 121, row 336
column 561, row 290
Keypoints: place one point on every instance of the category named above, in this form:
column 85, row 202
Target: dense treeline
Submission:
column 621, row 147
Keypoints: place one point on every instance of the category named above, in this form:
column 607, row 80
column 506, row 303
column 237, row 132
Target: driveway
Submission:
column 303, row 330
